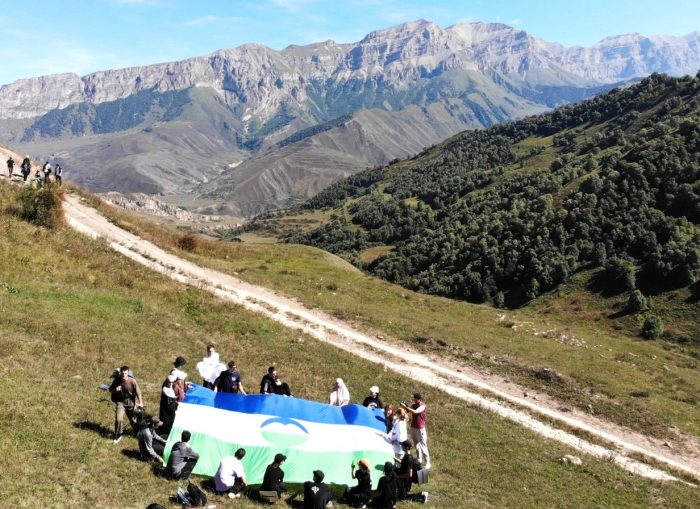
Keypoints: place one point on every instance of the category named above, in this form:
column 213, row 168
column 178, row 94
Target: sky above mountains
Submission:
column 45, row 37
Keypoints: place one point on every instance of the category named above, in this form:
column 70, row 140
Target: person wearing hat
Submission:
column 359, row 495
column 168, row 405
column 274, row 476
column 151, row 445
column 179, row 362
column 230, row 477
column 317, row 495
column 340, row 395
column 419, row 433
column 372, row 401
column 406, row 474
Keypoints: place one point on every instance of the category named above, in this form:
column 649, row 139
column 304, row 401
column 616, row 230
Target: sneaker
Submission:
column 118, row 439
column 425, row 497
column 234, row 495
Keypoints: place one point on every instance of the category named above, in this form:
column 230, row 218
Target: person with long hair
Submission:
column 399, row 431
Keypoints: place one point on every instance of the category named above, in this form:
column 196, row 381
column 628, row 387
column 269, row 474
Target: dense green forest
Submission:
column 506, row 213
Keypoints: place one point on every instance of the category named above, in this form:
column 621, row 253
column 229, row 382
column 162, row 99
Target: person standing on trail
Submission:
column 26, row 167
column 47, row 171
column 126, row 395
column 230, row 381
column 418, row 430
column 10, row 166
column 58, row 173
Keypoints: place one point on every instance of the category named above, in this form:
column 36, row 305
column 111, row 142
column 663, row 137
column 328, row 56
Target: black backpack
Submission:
column 196, row 495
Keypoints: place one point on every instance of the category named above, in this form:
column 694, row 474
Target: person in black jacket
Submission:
column 316, row 493
column 388, row 489
column 26, row 168
column 359, row 495
column 168, row 406
column 406, row 475
column 274, row 476
column 271, row 384
column 10, row 166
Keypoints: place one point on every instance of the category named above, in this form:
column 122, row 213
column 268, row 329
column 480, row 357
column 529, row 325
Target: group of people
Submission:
column 41, row 176
column 152, row 432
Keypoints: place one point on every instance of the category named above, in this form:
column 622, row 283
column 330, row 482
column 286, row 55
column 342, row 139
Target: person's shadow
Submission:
column 101, row 430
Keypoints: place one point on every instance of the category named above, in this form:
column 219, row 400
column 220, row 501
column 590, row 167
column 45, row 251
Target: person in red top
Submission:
column 418, row 431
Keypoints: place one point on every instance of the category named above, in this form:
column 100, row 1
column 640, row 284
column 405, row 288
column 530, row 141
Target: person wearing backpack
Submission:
column 26, row 168
column 126, row 396
column 58, row 173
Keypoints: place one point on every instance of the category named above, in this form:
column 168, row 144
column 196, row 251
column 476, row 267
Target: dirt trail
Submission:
column 467, row 384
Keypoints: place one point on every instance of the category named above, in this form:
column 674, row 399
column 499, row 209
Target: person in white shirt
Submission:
column 230, row 477
column 339, row 396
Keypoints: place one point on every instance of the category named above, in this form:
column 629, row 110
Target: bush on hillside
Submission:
column 637, row 302
column 187, row 242
column 652, row 328
column 42, row 206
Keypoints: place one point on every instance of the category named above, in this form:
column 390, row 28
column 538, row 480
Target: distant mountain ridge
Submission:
column 210, row 127
column 262, row 79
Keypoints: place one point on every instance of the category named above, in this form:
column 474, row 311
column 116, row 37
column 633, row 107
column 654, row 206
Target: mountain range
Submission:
column 246, row 129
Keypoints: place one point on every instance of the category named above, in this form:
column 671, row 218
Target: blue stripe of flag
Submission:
column 282, row 406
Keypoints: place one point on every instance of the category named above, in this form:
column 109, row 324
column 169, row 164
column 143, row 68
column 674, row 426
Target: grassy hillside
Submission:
column 508, row 213
column 602, row 364
column 72, row 310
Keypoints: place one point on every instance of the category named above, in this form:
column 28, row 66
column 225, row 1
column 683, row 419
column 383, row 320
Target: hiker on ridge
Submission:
column 26, row 167
column 47, row 171
column 10, row 166
column 58, row 173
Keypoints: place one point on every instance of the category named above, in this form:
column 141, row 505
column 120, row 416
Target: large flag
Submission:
column 312, row 435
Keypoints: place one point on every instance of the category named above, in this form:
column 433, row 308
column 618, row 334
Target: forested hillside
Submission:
column 507, row 213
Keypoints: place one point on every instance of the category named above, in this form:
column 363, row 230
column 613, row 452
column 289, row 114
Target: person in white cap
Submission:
column 372, row 401
column 339, row 396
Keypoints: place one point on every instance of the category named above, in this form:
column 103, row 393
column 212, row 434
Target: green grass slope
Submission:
column 72, row 310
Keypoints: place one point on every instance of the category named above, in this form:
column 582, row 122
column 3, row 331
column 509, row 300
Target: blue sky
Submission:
column 82, row 36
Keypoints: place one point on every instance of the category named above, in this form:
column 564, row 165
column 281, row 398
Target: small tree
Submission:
column 637, row 302
column 42, row 206
column 652, row 327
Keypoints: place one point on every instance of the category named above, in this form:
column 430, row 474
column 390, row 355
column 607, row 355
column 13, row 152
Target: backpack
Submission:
column 196, row 496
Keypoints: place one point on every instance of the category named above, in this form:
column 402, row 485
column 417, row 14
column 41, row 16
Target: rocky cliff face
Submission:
column 256, row 80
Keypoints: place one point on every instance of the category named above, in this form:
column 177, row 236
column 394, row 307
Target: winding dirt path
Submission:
column 489, row 392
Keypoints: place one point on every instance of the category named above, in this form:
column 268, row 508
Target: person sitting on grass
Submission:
column 406, row 474
column 230, row 477
column 358, row 496
column 182, row 458
column 151, row 445
column 274, row 476
column 387, row 490
column 271, row 384
column 317, row 495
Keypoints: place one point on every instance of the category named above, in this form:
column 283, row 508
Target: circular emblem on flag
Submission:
column 284, row 432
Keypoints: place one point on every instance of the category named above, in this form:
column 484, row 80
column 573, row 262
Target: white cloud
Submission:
column 209, row 20
column 516, row 21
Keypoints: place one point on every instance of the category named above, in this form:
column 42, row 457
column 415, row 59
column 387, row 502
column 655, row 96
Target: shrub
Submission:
column 652, row 328
column 637, row 302
column 187, row 242
column 42, row 206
